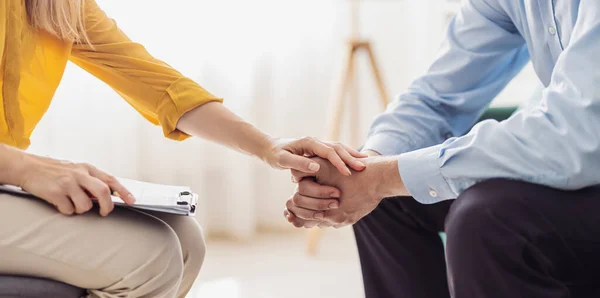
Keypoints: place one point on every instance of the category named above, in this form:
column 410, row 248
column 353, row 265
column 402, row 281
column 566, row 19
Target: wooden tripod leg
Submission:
column 333, row 134
column 353, row 105
column 335, row 122
column 312, row 241
column 378, row 79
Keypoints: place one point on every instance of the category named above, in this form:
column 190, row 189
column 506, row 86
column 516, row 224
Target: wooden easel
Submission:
column 349, row 89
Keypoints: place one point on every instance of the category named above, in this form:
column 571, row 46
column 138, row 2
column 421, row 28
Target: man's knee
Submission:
column 481, row 210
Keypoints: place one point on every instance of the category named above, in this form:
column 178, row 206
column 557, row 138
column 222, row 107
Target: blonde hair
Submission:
column 61, row 18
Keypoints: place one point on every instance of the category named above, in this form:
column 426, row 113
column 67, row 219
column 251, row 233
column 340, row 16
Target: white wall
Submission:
column 276, row 62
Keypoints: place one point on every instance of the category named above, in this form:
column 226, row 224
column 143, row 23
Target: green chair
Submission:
column 497, row 114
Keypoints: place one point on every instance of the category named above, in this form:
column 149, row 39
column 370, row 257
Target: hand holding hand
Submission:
column 294, row 154
column 314, row 202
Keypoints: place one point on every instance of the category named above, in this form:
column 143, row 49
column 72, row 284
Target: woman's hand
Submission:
column 216, row 123
column 70, row 187
column 294, row 153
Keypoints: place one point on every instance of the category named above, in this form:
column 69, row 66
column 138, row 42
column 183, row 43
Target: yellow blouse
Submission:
column 33, row 64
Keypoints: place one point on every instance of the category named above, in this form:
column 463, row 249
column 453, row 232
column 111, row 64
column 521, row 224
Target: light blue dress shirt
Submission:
column 556, row 143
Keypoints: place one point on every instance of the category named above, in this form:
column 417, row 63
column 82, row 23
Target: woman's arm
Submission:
column 216, row 123
column 163, row 96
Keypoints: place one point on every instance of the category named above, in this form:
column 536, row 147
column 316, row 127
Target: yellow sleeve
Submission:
column 156, row 90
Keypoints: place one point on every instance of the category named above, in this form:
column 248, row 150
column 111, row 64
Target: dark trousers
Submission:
column 505, row 239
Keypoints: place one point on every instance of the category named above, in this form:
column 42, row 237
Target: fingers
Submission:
column 80, row 199
column 64, row 206
column 61, row 202
column 299, row 163
column 314, row 203
column 327, row 152
column 100, row 191
column 349, row 159
column 113, row 184
column 309, row 224
column 349, row 155
column 300, row 217
column 299, row 175
column 61, row 196
column 339, row 155
column 310, row 188
column 291, row 218
column 325, row 224
column 304, row 213
column 298, row 222
column 354, row 152
column 307, row 208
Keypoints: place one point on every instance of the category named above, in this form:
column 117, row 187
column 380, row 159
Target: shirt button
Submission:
column 552, row 30
column 433, row 193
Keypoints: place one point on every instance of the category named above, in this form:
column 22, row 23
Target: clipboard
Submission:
column 179, row 200
column 185, row 205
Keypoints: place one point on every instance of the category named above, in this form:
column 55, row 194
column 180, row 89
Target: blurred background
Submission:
column 277, row 63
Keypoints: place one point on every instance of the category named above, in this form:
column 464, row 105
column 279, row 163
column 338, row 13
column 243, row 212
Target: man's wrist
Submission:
column 385, row 172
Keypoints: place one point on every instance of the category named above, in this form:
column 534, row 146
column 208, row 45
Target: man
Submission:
column 517, row 199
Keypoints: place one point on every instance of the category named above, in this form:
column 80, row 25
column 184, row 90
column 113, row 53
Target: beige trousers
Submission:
column 127, row 254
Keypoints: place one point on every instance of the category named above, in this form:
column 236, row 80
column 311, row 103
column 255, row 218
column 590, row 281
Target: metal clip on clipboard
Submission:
column 187, row 198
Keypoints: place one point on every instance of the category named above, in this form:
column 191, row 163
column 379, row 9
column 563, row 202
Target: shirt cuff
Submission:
column 420, row 172
column 385, row 144
column 181, row 97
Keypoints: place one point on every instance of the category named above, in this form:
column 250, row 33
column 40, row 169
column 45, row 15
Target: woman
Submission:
column 127, row 254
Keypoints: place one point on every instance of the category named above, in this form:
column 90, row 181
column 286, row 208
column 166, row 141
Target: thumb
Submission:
column 298, row 163
column 297, row 176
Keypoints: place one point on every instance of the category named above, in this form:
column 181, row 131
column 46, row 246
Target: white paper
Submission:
column 152, row 194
